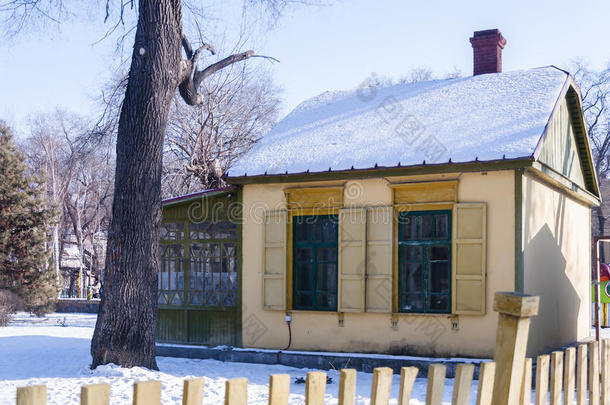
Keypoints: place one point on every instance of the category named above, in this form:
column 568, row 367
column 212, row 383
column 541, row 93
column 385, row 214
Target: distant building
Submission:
column 79, row 270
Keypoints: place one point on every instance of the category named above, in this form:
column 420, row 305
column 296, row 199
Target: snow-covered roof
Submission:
column 484, row 117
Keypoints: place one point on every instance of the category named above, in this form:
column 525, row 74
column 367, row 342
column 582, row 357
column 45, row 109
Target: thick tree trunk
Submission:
column 125, row 329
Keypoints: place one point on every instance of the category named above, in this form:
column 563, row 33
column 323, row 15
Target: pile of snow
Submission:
column 54, row 351
column 482, row 117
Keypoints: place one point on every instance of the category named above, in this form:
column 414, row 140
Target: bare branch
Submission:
column 215, row 67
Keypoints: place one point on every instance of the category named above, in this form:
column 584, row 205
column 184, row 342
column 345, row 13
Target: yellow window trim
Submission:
column 424, row 192
column 314, row 197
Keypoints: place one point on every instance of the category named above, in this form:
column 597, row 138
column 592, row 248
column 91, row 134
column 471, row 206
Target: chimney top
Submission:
column 487, row 48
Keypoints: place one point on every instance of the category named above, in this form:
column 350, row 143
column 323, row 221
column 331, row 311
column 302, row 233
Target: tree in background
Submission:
column 25, row 218
column 202, row 142
column 78, row 180
column 595, row 90
column 163, row 61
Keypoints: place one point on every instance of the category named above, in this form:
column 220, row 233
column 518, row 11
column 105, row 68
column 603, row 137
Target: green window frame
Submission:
column 213, row 264
column 198, row 265
column 424, row 261
column 315, row 262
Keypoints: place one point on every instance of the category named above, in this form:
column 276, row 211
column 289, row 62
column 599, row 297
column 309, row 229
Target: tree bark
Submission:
column 125, row 329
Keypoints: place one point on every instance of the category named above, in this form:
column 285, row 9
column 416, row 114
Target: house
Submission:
column 384, row 219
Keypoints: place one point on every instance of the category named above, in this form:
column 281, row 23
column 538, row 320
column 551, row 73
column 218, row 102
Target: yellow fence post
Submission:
column 32, row 395
column 581, row 376
column 236, row 391
column 315, row 387
column 382, row 384
column 279, row 389
column 192, row 391
column 487, row 372
column 569, row 381
column 542, row 379
column 436, row 384
column 407, row 378
column 515, row 310
column 526, row 385
column 95, row 394
column 556, row 377
column 605, row 365
column 462, row 384
column 147, row 393
column 347, row 387
column 594, row 373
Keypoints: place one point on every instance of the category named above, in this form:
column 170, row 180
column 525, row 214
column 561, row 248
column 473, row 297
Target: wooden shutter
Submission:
column 352, row 256
column 379, row 230
column 274, row 266
column 469, row 245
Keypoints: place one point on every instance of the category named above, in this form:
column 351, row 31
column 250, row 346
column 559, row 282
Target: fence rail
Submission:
column 575, row 376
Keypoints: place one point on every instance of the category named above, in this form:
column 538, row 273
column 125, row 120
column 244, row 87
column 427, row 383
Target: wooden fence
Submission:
column 575, row 376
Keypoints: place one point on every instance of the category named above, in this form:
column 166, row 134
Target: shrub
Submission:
column 9, row 304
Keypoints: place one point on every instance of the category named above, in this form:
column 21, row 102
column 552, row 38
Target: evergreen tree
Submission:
column 25, row 218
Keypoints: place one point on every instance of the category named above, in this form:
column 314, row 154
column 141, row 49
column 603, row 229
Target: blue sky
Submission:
column 320, row 48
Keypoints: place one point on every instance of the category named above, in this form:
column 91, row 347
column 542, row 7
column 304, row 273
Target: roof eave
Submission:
column 199, row 194
column 385, row 171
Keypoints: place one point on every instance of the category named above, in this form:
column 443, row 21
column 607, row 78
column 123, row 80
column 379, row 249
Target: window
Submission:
column 213, row 264
column 201, row 270
column 172, row 231
column 315, row 262
column 171, row 274
column 424, row 261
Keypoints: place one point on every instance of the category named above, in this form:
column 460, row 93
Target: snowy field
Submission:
column 54, row 351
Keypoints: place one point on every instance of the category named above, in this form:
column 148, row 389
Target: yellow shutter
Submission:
column 352, row 251
column 379, row 259
column 469, row 245
column 274, row 266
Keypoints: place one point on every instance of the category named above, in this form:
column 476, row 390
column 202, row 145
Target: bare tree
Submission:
column 163, row 60
column 595, row 89
column 240, row 105
column 79, row 179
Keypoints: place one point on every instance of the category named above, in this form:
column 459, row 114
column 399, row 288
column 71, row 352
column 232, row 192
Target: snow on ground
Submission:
column 54, row 351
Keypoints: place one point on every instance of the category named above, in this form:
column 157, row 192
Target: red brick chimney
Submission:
column 487, row 47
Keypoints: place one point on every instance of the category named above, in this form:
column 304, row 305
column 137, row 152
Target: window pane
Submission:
column 439, row 252
column 439, row 303
column 327, row 254
column 442, row 226
column 172, row 231
column 304, row 255
column 326, row 301
column 317, row 231
column 414, row 253
column 427, row 226
column 327, row 277
column 439, row 277
column 412, row 302
column 304, row 277
column 300, row 231
column 303, row 299
column 409, row 227
column 413, row 278
column 329, row 230
column 224, row 230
